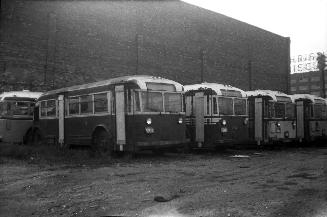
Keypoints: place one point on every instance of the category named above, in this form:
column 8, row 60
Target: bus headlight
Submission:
column 180, row 120
column 246, row 120
column 293, row 124
column 149, row 121
column 286, row 134
column 224, row 122
column 277, row 124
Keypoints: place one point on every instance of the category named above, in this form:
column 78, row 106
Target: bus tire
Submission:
column 37, row 137
column 28, row 138
column 102, row 143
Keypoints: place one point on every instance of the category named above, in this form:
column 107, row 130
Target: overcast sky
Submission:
column 304, row 21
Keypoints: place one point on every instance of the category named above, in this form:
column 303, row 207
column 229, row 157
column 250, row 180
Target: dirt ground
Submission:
column 290, row 182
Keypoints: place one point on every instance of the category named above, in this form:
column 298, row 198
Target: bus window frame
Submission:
column 4, row 103
column 246, row 106
column 233, row 112
column 294, row 110
column 163, row 102
column 217, row 107
column 109, row 107
column 46, row 104
column 314, row 111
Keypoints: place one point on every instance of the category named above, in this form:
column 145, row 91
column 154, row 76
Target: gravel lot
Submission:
column 289, row 182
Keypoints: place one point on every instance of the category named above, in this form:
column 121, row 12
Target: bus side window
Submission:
column 100, row 103
column 43, row 108
column 207, row 105
column 51, row 108
column 86, row 104
column 73, row 106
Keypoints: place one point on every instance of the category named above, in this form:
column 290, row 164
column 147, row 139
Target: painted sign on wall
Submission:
column 304, row 63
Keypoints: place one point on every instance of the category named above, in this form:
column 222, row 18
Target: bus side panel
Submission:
column 237, row 131
column 285, row 132
column 49, row 130
column 79, row 130
column 167, row 131
column 13, row 131
column 318, row 129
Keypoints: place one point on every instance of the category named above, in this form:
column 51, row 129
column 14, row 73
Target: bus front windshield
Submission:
column 173, row 102
column 20, row 108
column 158, row 102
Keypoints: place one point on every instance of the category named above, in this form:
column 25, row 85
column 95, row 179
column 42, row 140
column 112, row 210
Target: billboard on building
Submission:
column 304, row 63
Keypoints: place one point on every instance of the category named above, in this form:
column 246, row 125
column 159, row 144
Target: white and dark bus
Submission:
column 216, row 115
column 16, row 114
column 272, row 117
column 128, row 113
column 311, row 117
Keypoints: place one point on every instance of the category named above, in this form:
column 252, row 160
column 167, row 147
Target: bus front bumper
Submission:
column 161, row 144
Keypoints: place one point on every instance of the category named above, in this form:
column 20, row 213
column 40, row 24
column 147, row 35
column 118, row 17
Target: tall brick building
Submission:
column 60, row 43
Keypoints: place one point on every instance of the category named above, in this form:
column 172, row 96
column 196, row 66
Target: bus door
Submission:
column 120, row 116
column 199, row 118
column 61, row 119
column 258, row 120
column 300, row 120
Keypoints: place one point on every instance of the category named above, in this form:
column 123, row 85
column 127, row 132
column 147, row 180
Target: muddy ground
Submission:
column 291, row 182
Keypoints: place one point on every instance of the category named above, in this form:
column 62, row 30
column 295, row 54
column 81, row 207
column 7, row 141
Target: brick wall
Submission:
column 71, row 42
column 308, row 82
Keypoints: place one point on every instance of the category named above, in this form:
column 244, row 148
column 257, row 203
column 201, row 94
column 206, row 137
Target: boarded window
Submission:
column 225, row 106
column 290, row 110
column 152, row 102
column 279, row 110
column 240, row 106
column 173, row 102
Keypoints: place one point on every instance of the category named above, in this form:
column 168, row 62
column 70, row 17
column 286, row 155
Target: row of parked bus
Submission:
column 135, row 113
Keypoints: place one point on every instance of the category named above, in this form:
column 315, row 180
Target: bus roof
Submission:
column 310, row 97
column 20, row 94
column 140, row 80
column 219, row 89
column 272, row 94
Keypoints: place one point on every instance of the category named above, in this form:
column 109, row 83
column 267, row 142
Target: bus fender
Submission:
column 100, row 126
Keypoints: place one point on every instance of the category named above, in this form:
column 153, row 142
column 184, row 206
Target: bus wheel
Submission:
column 37, row 138
column 28, row 139
column 102, row 143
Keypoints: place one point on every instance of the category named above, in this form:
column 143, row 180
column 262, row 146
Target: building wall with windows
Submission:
column 308, row 82
column 52, row 44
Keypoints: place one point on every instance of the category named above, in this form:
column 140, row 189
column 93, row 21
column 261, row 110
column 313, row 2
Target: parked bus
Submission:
column 311, row 117
column 16, row 114
column 216, row 115
column 128, row 113
column 272, row 117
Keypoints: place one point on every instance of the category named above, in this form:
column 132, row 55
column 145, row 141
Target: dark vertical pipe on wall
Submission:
column 288, row 66
column 202, row 65
column 137, row 53
column 250, row 74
